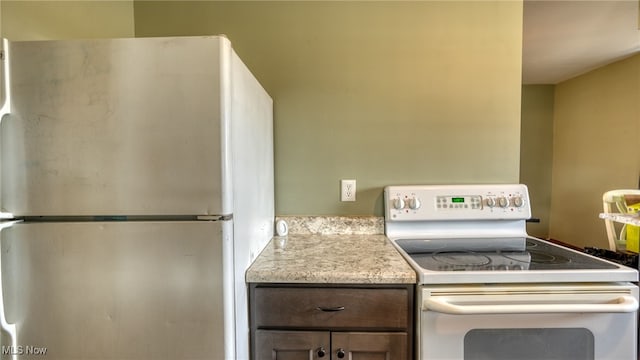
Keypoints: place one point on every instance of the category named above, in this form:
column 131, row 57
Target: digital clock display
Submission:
column 457, row 200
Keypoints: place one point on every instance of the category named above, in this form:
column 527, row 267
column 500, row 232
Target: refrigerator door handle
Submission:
column 4, row 324
column 5, row 108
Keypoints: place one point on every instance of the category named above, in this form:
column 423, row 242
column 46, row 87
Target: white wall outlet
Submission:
column 348, row 190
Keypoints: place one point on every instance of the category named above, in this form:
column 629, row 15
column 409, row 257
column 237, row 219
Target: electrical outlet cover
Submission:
column 348, row 190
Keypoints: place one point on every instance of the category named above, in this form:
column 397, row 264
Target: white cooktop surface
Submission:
column 454, row 234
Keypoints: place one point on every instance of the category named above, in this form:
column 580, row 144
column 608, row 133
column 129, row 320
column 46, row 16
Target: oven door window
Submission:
column 529, row 344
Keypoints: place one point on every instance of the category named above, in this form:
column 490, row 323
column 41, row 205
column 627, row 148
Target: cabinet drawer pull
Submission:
column 330, row 309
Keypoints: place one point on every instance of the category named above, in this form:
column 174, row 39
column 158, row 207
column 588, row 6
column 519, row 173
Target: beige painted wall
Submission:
column 536, row 152
column 381, row 92
column 596, row 137
column 44, row 20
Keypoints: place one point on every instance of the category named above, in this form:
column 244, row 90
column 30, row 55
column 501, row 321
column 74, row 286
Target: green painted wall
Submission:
column 596, row 137
column 43, row 20
column 536, row 152
column 381, row 92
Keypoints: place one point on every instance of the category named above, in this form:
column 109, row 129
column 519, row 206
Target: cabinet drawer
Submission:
column 331, row 308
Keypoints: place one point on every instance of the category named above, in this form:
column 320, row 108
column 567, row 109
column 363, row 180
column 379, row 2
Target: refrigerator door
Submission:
column 115, row 290
column 117, row 127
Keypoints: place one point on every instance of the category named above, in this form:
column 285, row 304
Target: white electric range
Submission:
column 487, row 290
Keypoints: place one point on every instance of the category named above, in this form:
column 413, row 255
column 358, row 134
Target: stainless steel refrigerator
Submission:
column 136, row 189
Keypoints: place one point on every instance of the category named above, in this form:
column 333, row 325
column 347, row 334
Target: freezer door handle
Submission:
column 622, row 304
column 5, row 99
column 9, row 328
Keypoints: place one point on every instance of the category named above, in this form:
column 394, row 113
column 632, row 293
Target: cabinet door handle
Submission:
column 340, row 353
column 330, row 309
column 321, row 352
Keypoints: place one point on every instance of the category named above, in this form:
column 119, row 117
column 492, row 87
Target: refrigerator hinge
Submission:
column 214, row 217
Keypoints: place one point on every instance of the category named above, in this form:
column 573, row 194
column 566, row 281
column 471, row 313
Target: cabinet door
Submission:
column 292, row 345
column 369, row 346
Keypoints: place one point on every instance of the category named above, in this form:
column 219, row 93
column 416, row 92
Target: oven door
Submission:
column 584, row 321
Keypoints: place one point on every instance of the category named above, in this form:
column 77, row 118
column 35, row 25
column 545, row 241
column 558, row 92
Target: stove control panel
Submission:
column 457, row 202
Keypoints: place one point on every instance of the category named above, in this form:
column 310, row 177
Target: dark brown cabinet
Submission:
column 296, row 345
column 292, row 345
column 331, row 322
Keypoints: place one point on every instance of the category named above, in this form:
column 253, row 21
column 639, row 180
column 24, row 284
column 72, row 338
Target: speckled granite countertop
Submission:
column 333, row 259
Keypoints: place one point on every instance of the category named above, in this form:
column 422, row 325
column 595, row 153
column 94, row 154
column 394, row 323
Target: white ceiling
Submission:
column 563, row 39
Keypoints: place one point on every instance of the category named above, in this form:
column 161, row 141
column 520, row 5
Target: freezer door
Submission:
column 132, row 290
column 117, row 126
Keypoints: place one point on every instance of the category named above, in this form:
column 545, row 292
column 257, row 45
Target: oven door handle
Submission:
column 622, row 304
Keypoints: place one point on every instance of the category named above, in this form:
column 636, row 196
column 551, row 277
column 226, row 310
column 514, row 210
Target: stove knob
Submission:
column 414, row 203
column 517, row 201
column 503, row 202
column 398, row 204
column 491, row 202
